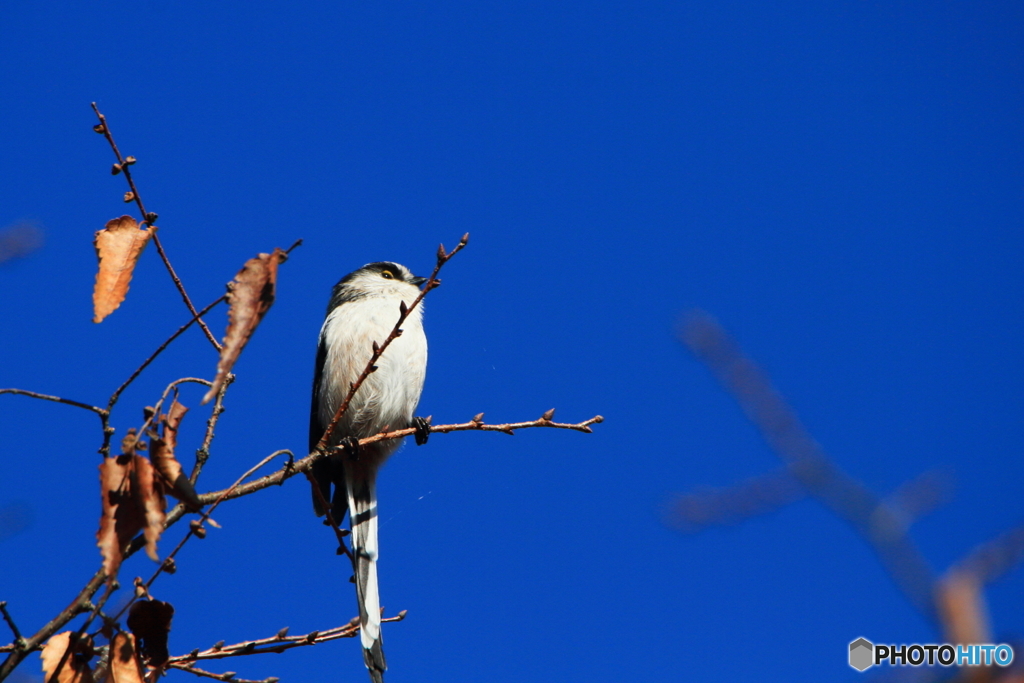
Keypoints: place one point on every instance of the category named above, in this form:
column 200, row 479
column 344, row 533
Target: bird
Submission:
column 363, row 309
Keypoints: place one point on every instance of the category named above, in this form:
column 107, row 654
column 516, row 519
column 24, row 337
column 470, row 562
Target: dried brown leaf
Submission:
column 75, row 670
column 133, row 501
column 148, row 492
column 162, row 456
column 150, row 622
column 125, row 665
column 118, row 247
column 250, row 296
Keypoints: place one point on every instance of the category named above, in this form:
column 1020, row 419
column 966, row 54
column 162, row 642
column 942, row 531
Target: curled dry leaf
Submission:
column 162, row 456
column 150, row 622
column 118, row 247
column 125, row 665
column 250, row 296
column 133, row 501
column 75, row 669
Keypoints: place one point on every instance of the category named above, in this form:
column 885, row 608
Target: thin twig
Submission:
column 339, row 533
column 57, row 399
column 203, row 452
column 159, row 350
column 77, row 606
column 192, row 530
column 278, row 643
column 149, row 219
column 111, row 587
column 155, row 415
column 18, row 640
column 808, row 462
column 432, row 282
column 300, row 466
column 227, row 676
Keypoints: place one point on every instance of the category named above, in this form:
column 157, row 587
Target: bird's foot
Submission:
column 351, row 446
column 422, row 425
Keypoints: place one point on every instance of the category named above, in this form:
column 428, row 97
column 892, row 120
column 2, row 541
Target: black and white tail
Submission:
column 362, row 508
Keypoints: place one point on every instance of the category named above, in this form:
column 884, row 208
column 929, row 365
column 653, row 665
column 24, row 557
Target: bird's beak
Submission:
column 418, row 281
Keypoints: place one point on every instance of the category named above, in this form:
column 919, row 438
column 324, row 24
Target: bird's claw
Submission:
column 422, row 425
column 351, row 446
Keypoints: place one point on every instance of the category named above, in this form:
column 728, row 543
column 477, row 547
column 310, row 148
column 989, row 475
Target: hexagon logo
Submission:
column 862, row 654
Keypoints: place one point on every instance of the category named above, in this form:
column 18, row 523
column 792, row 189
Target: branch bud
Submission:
column 548, row 415
column 128, row 161
column 115, row 169
column 151, row 218
column 218, row 645
column 441, row 253
column 478, row 418
column 197, row 528
column 283, row 633
column 402, row 308
column 100, row 128
column 129, row 197
column 465, row 239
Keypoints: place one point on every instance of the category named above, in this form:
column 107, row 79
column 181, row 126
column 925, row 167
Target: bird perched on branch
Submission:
column 364, row 308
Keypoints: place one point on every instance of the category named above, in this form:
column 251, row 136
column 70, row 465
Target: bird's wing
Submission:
column 322, row 467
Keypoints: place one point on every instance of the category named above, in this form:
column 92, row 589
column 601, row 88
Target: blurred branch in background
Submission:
column 954, row 601
column 14, row 518
column 19, row 240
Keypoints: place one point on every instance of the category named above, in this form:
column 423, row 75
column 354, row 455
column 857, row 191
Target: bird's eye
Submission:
column 387, row 275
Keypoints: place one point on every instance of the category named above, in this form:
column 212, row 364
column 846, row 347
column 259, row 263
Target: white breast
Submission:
column 389, row 395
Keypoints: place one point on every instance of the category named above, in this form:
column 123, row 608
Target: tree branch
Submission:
column 123, row 166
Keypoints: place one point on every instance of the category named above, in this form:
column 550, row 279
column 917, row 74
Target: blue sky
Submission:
column 839, row 184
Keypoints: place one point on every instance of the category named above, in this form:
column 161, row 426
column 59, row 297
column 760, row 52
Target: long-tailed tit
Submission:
column 364, row 308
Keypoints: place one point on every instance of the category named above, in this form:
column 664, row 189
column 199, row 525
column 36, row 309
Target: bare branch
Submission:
column 159, row 350
column 203, row 452
column 809, row 463
column 300, row 466
column 18, row 640
column 694, row 512
column 124, row 166
column 226, row 676
column 57, row 399
column 992, row 559
column 277, row 643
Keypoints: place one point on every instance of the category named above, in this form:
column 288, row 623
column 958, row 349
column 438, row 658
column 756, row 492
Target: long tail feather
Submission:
column 362, row 504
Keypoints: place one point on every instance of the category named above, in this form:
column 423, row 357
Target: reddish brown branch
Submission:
column 57, row 399
column 277, row 643
column 300, row 466
column 123, row 166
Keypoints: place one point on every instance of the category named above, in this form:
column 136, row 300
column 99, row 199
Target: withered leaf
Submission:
column 118, row 247
column 162, row 456
column 125, row 665
column 150, row 622
column 75, row 669
column 133, row 501
column 250, row 296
